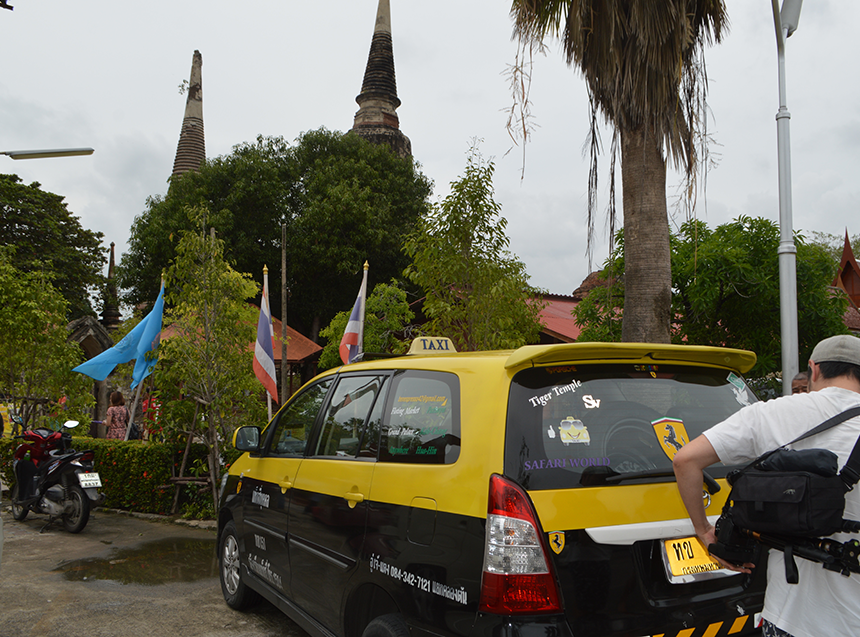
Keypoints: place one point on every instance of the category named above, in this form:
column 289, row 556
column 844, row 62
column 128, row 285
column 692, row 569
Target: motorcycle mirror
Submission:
column 70, row 424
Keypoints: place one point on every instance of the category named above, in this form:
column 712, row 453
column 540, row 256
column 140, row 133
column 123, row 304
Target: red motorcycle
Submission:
column 54, row 479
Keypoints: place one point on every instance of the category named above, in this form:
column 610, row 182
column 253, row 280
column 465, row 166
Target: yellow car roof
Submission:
column 736, row 359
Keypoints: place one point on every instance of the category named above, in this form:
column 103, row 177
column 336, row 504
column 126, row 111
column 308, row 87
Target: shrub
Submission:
column 135, row 475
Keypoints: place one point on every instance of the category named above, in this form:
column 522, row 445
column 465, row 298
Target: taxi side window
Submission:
column 344, row 420
column 422, row 419
column 295, row 422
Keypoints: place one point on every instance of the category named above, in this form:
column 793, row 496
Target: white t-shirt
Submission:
column 823, row 602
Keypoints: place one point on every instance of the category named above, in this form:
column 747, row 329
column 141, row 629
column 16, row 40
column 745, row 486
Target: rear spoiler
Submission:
column 539, row 355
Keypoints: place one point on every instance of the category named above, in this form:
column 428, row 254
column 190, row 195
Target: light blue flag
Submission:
column 149, row 340
column 139, row 339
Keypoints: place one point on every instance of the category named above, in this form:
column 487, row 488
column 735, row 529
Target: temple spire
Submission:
column 376, row 119
column 191, row 150
column 848, row 275
column 110, row 308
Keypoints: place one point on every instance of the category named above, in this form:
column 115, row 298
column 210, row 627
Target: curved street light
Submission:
column 785, row 22
column 43, row 154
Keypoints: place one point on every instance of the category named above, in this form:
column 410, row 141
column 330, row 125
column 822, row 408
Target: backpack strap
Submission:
column 827, row 424
column 853, row 465
column 850, row 473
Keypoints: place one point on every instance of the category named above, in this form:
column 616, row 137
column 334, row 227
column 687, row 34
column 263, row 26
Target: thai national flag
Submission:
column 352, row 343
column 264, row 350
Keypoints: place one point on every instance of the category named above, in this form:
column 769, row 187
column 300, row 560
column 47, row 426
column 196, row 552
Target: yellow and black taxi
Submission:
column 523, row 493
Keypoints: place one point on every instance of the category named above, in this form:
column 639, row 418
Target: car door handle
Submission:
column 353, row 498
column 285, row 484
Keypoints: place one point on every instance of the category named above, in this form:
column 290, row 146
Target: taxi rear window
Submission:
column 422, row 419
column 586, row 425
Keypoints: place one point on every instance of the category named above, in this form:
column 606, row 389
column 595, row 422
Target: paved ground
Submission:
column 122, row 576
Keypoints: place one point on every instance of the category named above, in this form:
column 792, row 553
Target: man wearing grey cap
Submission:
column 823, row 602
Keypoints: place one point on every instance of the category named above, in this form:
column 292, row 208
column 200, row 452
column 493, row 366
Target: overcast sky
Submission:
column 105, row 74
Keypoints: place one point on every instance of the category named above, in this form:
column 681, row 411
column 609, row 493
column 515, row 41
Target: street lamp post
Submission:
column 785, row 22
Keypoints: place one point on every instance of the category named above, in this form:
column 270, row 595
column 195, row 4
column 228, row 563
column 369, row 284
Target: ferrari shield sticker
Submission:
column 671, row 434
column 556, row 541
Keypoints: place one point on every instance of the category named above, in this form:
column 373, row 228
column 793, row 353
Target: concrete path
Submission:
column 122, row 576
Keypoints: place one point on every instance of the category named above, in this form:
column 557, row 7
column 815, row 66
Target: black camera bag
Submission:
column 796, row 493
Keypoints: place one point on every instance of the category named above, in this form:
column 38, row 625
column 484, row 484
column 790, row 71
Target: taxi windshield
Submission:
column 570, row 423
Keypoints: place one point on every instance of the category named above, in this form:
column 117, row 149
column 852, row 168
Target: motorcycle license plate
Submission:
column 90, row 480
column 687, row 560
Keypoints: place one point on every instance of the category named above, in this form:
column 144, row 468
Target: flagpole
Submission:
column 133, row 409
column 285, row 370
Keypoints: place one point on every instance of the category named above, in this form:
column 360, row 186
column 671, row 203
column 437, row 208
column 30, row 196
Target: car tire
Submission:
column 19, row 511
column 237, row 595
column 387, row 626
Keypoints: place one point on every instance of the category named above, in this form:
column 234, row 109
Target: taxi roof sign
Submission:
column 432, row 345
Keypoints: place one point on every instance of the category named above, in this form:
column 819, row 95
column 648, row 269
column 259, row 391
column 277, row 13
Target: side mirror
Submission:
column 70, row 424
column 247, row 439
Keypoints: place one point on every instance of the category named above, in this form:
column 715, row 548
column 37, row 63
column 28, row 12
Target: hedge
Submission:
column 135, row 475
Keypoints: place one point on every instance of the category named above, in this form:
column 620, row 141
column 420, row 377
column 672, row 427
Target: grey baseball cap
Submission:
column 838, row 349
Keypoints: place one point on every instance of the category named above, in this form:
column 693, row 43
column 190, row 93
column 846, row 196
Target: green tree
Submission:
column 205, row 374
column 726, row 284
column 476, row 291
column 48, row 238
column 35, row 358
column 387, row 314
column 643, row 68
column 344, row 201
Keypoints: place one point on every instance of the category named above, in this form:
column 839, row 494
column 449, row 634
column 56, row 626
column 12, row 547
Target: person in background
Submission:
column 116, row 420
column 800, row 383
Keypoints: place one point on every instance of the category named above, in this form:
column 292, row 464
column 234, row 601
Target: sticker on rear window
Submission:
column 741, row 396
column 671, row 434
column 739, row 389
column 565, row 463
column 558, row 390
column 651, row 369
column 735, row 380
column 573, row 431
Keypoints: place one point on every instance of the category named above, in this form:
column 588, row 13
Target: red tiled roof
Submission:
column 557, row 319
column 852, row 319
column 299, row 348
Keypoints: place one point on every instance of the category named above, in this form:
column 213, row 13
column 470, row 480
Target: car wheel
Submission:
column 19, row 512
column 386, row 626
column 237, row 595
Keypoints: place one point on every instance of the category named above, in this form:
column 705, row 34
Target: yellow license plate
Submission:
column 688, row 556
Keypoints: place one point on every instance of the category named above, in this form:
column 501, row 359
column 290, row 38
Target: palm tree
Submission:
column 641, row 60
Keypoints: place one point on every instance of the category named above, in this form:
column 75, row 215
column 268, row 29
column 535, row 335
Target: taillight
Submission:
column 88, row 456
column 517, row 578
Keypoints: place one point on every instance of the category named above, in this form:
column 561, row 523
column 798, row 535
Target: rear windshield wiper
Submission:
column 596, row 476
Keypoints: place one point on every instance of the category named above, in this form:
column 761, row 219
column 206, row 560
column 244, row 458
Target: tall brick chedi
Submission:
column 376, row 119
column 191, row 150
